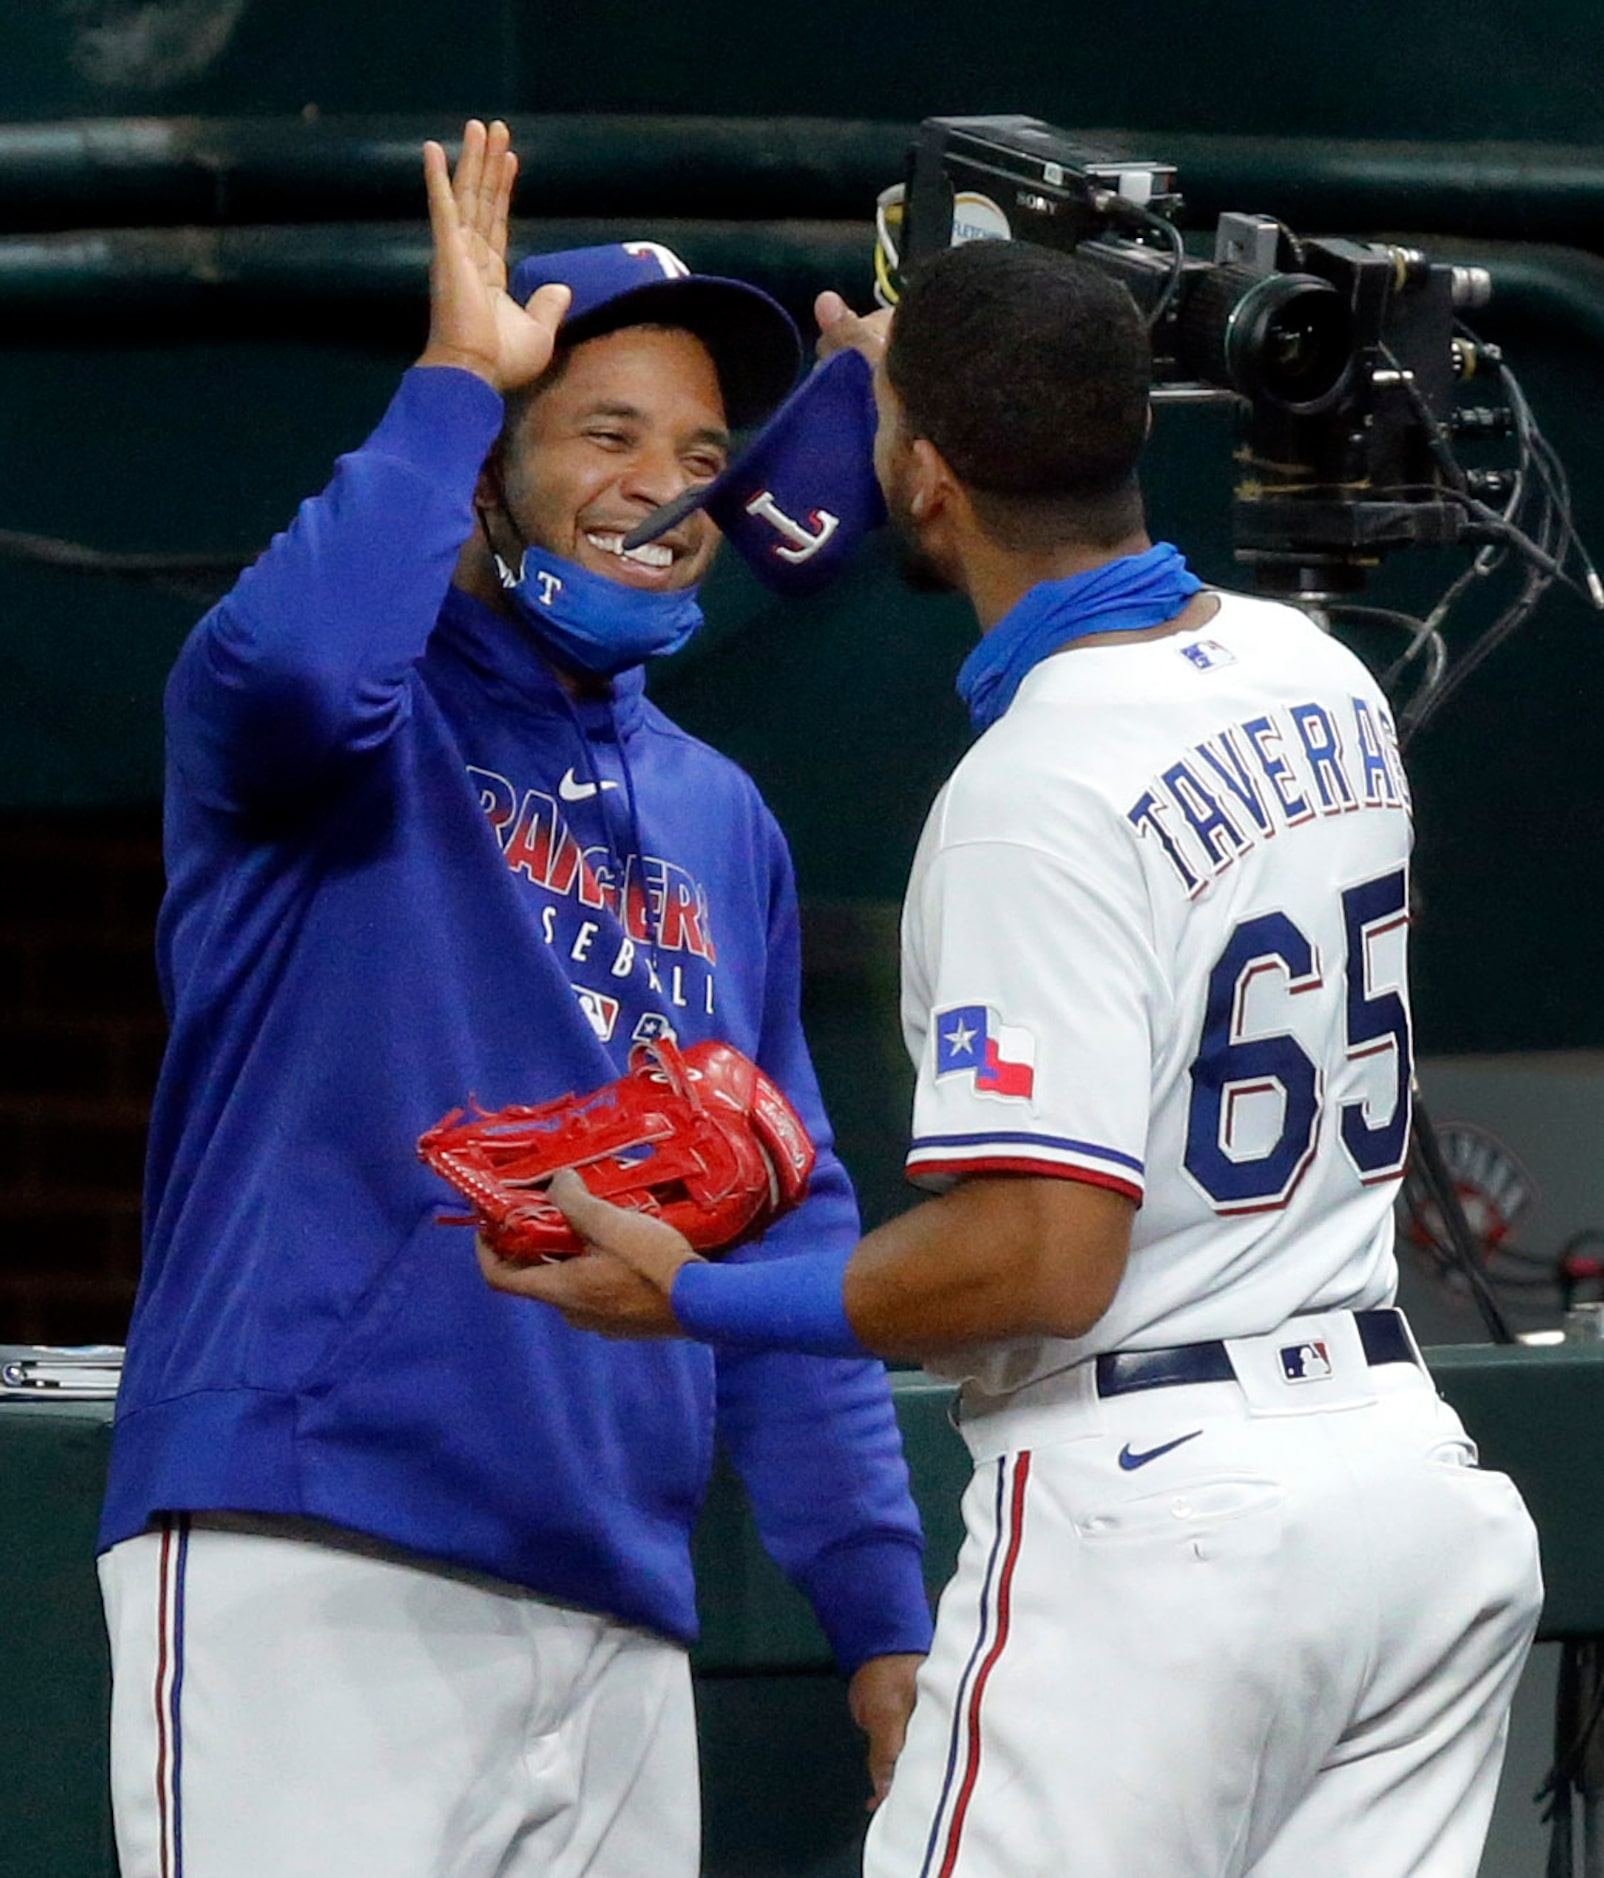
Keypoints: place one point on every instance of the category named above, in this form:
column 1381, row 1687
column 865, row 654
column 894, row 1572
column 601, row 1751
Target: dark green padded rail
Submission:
column 777, row 1745
column 369, row 279
column 105, row 172
column 188, row 171
column 236, row 221
column 345, row 280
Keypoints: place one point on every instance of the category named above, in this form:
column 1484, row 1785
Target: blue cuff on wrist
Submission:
column 870, row 1599
column 772, row 1304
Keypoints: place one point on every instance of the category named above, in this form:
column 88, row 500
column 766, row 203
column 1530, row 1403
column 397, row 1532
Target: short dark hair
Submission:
column 1029, row 371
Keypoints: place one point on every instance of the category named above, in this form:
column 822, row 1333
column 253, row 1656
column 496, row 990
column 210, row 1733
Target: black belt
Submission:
column 1383, row 1334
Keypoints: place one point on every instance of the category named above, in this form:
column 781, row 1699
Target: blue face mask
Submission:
column 1127, row 595
column 592, row 624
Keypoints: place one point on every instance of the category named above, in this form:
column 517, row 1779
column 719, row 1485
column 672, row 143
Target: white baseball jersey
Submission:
column 1155, row 939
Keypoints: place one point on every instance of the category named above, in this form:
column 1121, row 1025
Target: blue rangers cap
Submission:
column 799, row 498
column 753, row 340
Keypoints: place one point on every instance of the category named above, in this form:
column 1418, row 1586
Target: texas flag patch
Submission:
column 972, row 1040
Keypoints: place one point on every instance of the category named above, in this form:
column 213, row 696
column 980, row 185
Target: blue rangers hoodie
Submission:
column 404, row 867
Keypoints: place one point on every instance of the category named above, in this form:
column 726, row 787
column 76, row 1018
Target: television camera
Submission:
column 1355, row 378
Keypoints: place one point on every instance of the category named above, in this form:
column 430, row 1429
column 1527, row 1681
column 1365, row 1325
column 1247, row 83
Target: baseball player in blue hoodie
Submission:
column 396, row 1570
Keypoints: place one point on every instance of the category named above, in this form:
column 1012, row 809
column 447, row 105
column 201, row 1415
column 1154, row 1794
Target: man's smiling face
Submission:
column 633, row 418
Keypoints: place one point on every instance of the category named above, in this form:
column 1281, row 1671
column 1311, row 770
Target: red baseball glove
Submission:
column 703, row 1140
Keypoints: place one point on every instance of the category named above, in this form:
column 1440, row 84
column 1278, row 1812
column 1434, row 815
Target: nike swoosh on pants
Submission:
column 1130, row 1460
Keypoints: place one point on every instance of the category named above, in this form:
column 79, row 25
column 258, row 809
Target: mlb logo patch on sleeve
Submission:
column 972, row 1040
column 1305, row 1362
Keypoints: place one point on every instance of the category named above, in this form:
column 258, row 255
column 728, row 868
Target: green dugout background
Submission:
column 212, row 253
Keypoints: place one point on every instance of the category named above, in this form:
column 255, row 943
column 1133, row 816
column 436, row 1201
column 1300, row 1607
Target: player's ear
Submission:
column 931, row 483
column 489, row 491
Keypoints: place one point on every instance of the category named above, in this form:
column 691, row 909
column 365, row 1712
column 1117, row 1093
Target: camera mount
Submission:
column 1347, row 360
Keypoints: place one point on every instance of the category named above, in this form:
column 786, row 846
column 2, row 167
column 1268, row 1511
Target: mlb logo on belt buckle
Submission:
column 1305, row 1362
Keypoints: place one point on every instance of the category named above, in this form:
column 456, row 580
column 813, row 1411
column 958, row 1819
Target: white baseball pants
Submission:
column 285, row 1707
column 1220, row 1631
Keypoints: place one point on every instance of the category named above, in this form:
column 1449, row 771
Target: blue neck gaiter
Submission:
column 1137, row 591
column 592, row 624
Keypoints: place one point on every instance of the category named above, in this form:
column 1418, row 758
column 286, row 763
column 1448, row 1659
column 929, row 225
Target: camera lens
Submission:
column 1281, row 338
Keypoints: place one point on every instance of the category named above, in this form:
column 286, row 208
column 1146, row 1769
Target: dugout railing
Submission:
column 783, row 1774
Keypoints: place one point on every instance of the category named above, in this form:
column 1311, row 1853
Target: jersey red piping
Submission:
column 1005, row 1597
column 1021, row 1164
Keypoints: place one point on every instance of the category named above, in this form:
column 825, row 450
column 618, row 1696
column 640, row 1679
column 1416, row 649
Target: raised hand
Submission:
column 473, row 321
column 840, row 327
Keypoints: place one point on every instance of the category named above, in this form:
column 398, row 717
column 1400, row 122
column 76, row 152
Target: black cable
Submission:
column 1444, row 1195
column 1420, row 713
column 1427, row 633
column 1537, row 524
column 1295, row 247
column 1423, row 636
column 1568, row 1761
column 1506, row 1270
column 1375, row 615
column 75, row 557
column 1437, row 440
column 1544, row 567
column 1123, row 209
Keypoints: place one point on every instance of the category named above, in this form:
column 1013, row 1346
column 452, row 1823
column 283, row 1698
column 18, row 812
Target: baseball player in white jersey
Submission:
column 1234, row 1596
